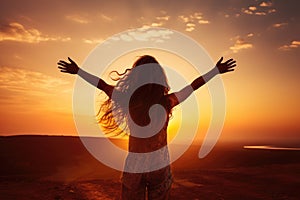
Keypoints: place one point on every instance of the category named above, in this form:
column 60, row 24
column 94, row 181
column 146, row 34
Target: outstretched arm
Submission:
column 72, row 68
column 220, row 68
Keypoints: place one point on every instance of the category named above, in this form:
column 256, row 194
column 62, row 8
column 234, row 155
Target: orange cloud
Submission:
column 246, row 11
column 32, row 91
column 78, row 19
column 106, row 18
column 203, row 22
column 253, row 12
column 260, row 13
column 165, row 18
column 240, row 44
column 183, row 18
column 145, row 33
column 22, row 80
column 93, row 41
column 272, row 10
column 266, row 4
column 17, row 32
column 253, row 8
column 262, row 9
column 279, row 25
column 158, row 22
column 191, row 20
column 190, row 27
column 293, row 45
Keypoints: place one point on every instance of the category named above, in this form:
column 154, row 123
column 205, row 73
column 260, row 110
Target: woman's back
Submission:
column 142, row 100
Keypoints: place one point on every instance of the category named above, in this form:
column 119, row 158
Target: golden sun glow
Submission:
column 262, row 95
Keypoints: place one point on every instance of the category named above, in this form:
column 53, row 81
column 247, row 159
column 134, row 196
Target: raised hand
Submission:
column 226, row 66
column 71, row 68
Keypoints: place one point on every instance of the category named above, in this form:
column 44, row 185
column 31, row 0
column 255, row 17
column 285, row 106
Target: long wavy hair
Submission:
column 113, row 114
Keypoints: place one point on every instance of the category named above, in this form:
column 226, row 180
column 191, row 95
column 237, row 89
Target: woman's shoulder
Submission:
column 170, row 100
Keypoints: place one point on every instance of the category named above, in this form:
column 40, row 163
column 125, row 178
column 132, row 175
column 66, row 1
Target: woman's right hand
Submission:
column 71, row 68
column 226, row 66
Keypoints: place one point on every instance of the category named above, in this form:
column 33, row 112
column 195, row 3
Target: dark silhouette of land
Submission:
column 58, row 167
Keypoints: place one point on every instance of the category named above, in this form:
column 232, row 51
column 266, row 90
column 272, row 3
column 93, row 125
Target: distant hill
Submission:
column 65, row 158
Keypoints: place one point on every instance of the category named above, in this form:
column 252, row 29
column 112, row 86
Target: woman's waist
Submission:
column 145, row 145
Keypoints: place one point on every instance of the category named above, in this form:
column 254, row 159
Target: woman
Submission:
column 139, row 105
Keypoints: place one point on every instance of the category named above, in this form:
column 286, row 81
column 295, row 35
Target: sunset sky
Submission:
column 263, row 36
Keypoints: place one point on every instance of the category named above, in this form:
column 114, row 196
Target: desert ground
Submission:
column 60, row 168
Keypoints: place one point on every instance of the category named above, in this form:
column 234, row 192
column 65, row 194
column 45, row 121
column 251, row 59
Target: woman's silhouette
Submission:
column 130, row 109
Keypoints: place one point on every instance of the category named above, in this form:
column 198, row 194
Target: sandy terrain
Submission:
column 43, row 167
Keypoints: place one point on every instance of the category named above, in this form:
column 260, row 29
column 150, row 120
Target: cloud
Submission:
column 106, row 18
column 293, row 45
column 190, row 27
column 261, row 9
column 272, row 11
column 279, row 25
column 158, row 20
column 266, row 4
column 164, row 18
column 240, row 44
column 196, row 15
column 203, row 21
column 254, row 12
column 78, row 19
column 27, row 81
column 92, row 41
column 19, row 86
column 260, row 13
column 85, row 19
column 131, row 37
column 246, row 11
column 252, row 8
column 17, row 32
column 155, row 24
column 183, row 18
column 191, row 20
column 250, row 35
column 145, row 33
